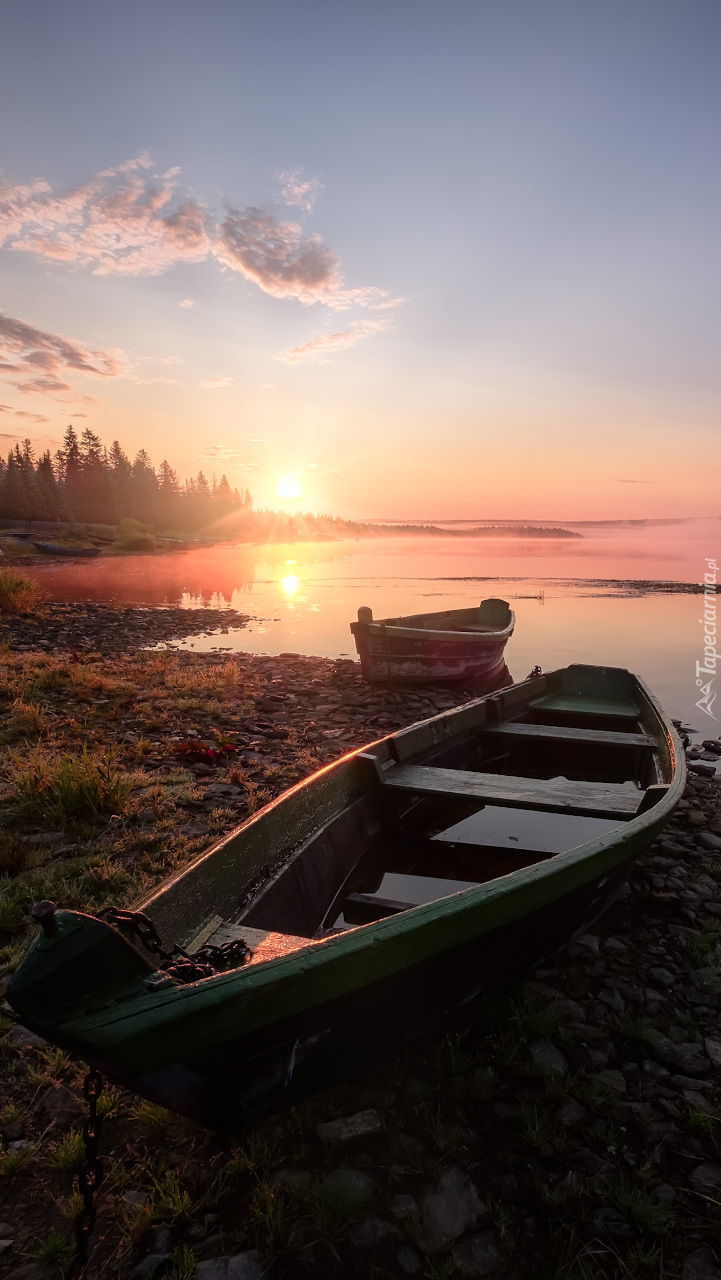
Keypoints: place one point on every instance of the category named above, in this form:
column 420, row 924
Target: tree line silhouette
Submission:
column 85, row 483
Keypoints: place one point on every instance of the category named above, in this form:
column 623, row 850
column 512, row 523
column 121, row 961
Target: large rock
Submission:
column 153, row 1264
column 58, row 1105
column 477, row 1256
column 449, row 1207
column 372, row 1232
column 336, row 1133
column 700, row 1265
column 241, row 1266
column 686, row 1059
column 706, row 1177
column 23, row 1038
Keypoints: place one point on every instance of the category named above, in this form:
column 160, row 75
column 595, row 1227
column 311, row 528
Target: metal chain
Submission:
column 205, row 963
column 90, row 1176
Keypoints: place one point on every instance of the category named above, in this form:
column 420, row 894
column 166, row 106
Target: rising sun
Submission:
column 288, row 487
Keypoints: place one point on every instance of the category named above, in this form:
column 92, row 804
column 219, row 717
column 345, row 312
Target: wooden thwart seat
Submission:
column 595, row 799
column 578, row 705
column 263, row 943
column 363, row 908
column 562, row 733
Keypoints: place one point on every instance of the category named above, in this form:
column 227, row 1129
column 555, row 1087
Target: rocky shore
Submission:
column 568, row 1130
column 109, row 629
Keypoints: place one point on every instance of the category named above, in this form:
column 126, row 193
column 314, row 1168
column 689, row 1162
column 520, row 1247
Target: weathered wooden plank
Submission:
column 264, row 944
column 583, row 704
column 562, row 733
column 560, row 796
column 368, row 906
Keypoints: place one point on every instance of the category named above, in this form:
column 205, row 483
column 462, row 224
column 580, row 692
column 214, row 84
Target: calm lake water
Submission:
column 303, row 596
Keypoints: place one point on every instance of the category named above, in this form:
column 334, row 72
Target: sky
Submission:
column 400, row 259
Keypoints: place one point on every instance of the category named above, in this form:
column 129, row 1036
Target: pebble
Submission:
column 547, row 1059
column 570, row 1112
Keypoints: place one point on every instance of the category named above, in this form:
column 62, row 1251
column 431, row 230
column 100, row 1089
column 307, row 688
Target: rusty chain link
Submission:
column 205, row 963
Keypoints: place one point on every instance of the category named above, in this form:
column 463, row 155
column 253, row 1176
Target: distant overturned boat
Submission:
column 430, row 648
column 377, row 896
column 83, row 553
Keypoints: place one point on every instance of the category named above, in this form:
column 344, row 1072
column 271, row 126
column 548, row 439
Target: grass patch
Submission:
column 55, row 791
column 702, row 948
column 18, row 594
column 69, row 1154
column 640, row 1209
column 170, row 1202
column 152, row 1116
column 54, row 1248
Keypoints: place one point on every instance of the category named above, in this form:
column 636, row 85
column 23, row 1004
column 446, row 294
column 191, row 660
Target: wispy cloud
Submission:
column 213, row 384
column 621, row 481
column 128, row 221
column 225, row 455
column 325, row 344
column 22, row 413
column 37, row 362
column 299, row 191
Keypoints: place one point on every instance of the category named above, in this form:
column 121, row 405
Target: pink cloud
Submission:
column 325, row 344
column 125, row 221
column 120, row 222
column 213, row 384
column 22, row 413
column 41, row 361
column 275, row 256
column 297, row 191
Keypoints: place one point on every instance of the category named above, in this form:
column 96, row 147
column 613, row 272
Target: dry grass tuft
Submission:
column 18, row 594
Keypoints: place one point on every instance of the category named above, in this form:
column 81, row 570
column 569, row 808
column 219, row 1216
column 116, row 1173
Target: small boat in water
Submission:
column 49, row 549
column 382, row 893
column 436, row 648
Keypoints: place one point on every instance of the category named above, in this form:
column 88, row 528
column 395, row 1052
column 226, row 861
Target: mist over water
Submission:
column 301, row 597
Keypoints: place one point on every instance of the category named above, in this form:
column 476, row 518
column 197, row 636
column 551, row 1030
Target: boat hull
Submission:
column 230, row 1049
column 396, row 660
column 75, row 553
column 257, row 1059
column 456, row 645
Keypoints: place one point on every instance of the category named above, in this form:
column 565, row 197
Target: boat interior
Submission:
column 490, row 615
column 520, row 779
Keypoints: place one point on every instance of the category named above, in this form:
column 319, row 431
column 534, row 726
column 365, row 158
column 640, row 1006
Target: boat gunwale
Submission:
column 399, row 631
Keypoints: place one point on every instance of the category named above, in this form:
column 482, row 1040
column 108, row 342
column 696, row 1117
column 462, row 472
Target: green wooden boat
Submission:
column 382, row 893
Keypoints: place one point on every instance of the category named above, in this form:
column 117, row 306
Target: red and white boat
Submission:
column 435, row 648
